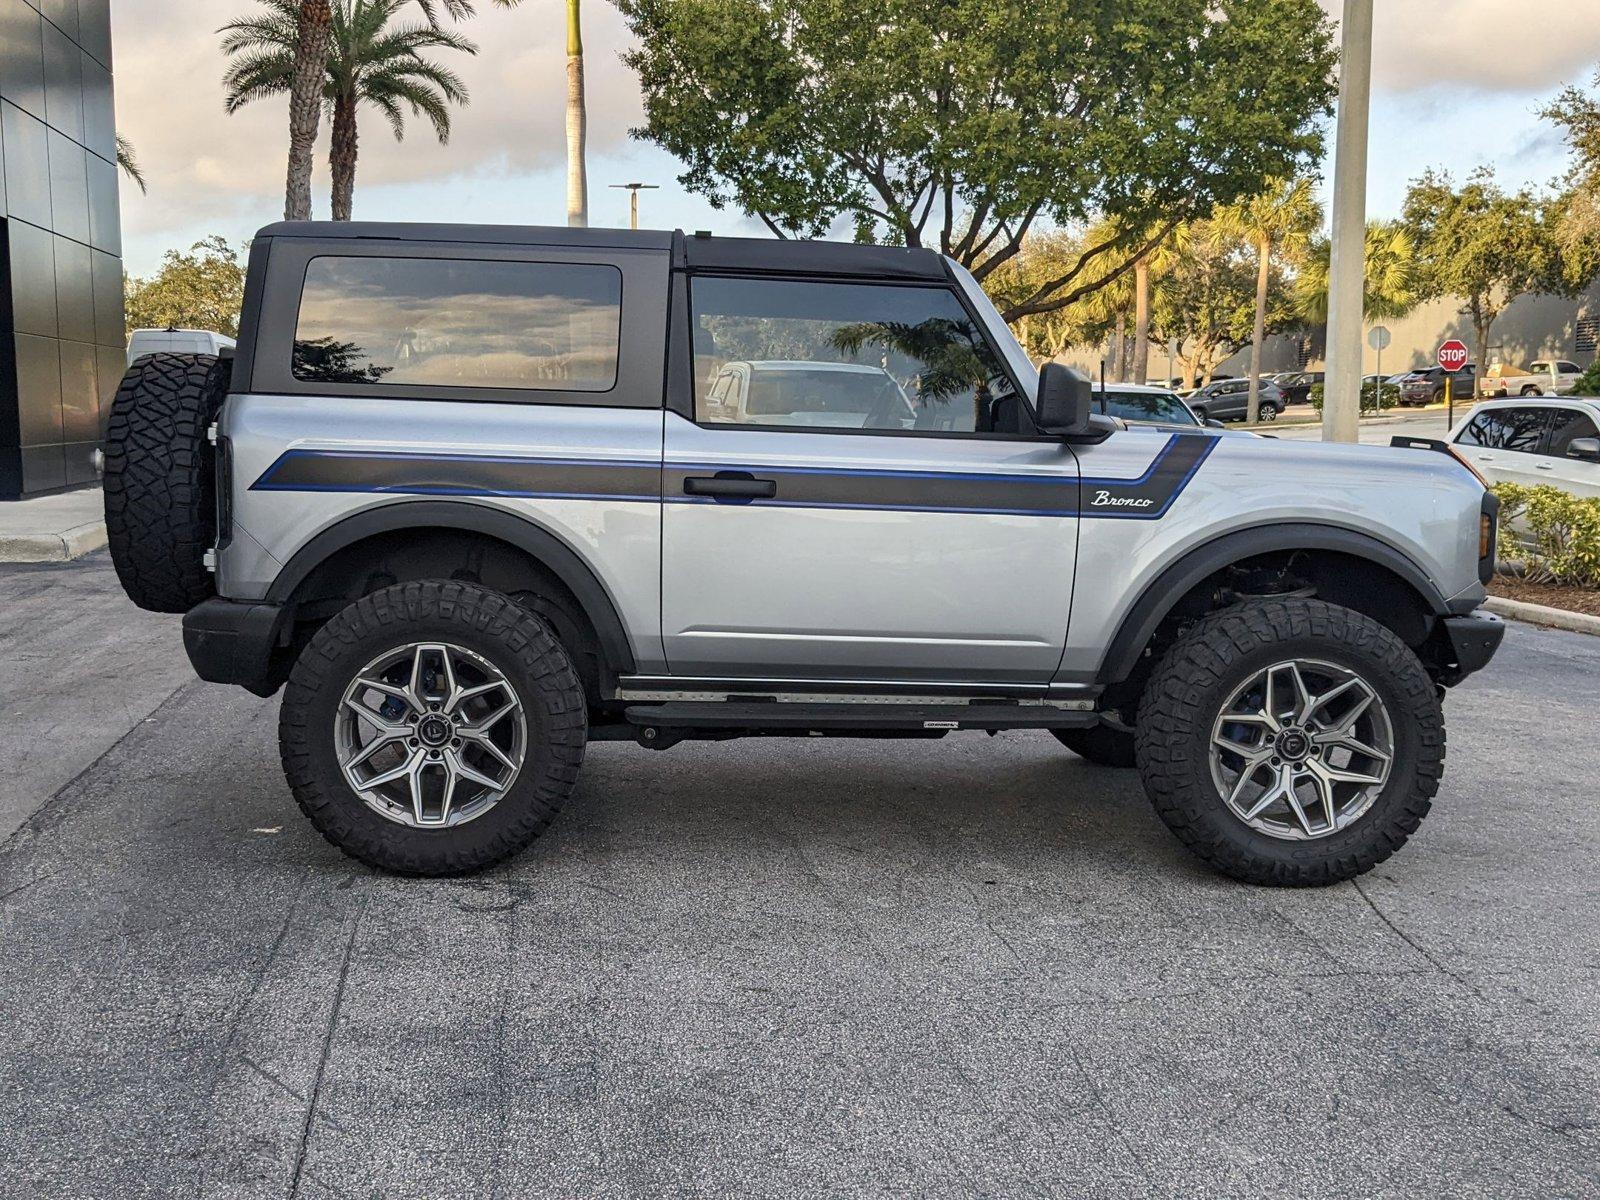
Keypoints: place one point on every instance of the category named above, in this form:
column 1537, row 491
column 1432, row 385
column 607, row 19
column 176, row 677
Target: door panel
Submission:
column 873, row 557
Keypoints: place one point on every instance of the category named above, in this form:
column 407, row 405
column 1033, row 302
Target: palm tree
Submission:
column 1280, row 218
column 1390, row 287
column 313, row 35
column 577, row 121
column 371, row 61
column 312, row 45
column 129, row 162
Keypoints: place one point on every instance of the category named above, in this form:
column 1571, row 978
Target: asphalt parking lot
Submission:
column 975, row 966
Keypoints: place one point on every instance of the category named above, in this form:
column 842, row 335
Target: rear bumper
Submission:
column 1472, row 641
column 231, row 641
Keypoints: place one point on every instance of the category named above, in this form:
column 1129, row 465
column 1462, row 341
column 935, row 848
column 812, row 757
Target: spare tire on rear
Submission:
column 160, row 479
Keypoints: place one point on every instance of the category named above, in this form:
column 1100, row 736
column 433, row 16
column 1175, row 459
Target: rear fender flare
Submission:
column 539, row 543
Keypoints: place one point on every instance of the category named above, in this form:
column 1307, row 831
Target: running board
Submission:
column 822, row 718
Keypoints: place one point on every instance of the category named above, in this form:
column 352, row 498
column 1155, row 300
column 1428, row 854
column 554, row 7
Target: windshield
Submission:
column 1161, row 407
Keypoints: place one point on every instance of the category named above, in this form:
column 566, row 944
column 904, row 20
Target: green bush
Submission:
column 1557, row 534
column 1589, row 382
column 1371, row 399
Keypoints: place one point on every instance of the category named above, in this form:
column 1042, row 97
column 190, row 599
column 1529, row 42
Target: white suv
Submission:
column 1535, row 440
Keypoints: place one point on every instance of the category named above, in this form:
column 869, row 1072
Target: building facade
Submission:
column 62, row 341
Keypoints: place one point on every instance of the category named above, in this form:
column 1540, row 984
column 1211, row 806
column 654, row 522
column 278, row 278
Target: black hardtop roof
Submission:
column 777, row 255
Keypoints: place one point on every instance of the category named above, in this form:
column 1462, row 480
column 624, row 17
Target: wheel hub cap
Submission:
column 1302, row 749
column 430, row 735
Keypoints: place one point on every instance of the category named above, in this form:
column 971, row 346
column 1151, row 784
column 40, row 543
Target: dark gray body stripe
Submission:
column 1145, row 497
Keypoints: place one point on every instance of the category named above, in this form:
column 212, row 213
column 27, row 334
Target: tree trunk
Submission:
column 342, row 158
column 1263, row 274
column 1480, row 329
column 315, row 39
column 577, row 122
column 1141, row 321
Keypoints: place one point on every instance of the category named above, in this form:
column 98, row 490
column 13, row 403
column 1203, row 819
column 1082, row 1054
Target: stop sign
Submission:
column 1453, row 355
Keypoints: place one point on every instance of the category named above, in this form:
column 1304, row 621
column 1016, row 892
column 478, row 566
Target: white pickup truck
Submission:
column 1547, row 377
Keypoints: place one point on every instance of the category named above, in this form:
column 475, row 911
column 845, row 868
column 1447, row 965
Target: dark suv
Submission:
column 1427, row 386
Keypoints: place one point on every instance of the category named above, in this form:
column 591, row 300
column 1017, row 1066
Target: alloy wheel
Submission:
column 430, row 735
column 1302, row 749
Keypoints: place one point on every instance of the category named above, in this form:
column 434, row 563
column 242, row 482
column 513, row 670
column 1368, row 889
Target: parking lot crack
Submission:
column 327, row 1049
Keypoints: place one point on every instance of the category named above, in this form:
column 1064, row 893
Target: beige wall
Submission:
column 1531, row 328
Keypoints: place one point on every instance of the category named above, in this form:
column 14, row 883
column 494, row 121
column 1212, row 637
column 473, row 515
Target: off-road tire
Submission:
column 1101, row 744
column 160, row 479
column 1195, row 678
column 518, row 643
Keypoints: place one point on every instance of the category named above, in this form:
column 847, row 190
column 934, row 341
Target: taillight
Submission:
column 1485, row 535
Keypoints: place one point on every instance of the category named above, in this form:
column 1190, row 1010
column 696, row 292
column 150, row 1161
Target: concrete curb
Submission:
column 1540, row 614
column 53, row 547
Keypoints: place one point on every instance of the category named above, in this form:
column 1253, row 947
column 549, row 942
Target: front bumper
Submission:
column 1471, row 641
column 232, row 641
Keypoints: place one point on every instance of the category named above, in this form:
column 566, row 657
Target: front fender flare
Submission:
column 1176, row 580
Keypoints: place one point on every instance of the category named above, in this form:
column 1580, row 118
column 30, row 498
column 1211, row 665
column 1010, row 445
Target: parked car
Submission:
column 1534, row 441
column 1546, row 377
column 1426, row 385
column 1296, row 387
column 1140, row 405
column 144, row 342
column 1227, row 399
column 465, row 493
column 824, row 394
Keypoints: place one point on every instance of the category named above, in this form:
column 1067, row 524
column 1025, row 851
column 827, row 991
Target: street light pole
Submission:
column 633, row 199
column 1341, row 404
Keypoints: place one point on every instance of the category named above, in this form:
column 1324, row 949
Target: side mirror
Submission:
column 1587, row 449
column 1065, row 406
column 1213, row 423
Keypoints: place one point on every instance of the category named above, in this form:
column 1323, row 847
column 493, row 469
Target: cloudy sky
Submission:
column 1457, row 83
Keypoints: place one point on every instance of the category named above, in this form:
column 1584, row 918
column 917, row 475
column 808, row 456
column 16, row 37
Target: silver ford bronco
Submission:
column 480, row 495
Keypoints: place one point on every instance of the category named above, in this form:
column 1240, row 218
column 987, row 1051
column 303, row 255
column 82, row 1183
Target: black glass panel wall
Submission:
column 62, row 341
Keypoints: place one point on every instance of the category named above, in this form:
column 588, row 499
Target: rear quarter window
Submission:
column 459, row 323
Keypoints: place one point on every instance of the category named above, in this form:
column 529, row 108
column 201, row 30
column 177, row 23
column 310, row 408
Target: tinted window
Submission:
column 1148, row 406
column 844, row 356
column 1569, row 368
column 432, row 322
column 1506, row 429
column 1565, row 425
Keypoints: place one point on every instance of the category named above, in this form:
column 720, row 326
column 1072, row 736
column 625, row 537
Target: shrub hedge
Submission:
column 1371, row 399
column 1557, row 534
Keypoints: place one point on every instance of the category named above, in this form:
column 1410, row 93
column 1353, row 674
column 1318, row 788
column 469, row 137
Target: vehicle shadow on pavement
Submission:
column 781, row 966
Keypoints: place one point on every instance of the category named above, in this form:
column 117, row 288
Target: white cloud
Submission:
column 1482, row 45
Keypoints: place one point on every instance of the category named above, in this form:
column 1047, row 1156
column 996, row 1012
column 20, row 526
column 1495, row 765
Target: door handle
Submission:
column 732, row 485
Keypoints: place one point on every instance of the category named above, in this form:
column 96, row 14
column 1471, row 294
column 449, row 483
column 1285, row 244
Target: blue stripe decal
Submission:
column 1147, row 496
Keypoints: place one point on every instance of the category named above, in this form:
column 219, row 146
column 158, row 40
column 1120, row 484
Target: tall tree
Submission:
column 201, row 288
column 1577, row 211
column 372, row 61
column 1206, row 302
column 1484, row 245
column 1390, row 288
column 1283, row 218
column 577, row 121
column 313, row 38
column 962, row 124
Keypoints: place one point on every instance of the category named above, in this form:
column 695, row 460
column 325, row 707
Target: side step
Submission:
column 791, row 716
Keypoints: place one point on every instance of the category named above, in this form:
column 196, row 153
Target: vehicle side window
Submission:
column 1567, row 424
column 1569, row 368
column 1148, row 406
column 1539, row 368
column 459, row 323
column 1519, row 429
column 846, row 356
